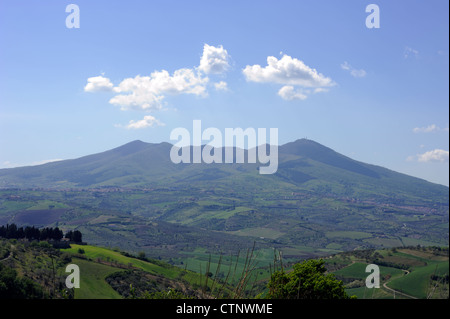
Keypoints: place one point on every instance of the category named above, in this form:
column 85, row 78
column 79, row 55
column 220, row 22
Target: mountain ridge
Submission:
column 302, row 162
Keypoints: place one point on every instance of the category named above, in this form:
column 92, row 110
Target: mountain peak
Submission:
column 136, row 142
column 131, row 147
column 304, row 145
column 320, row 153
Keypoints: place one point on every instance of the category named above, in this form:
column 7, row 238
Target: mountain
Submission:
column 318, row 202
column 303, row 163
column 130, row 160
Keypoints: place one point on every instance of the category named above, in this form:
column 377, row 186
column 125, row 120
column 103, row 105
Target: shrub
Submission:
column 307, row 281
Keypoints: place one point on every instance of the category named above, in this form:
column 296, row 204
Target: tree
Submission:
column 307, row 280
column 11, row 231
column 141, row 255
column 69, row 235
column 32, row 233
column 77, row 237
column 57, row 234
column 14, row 287
column 74, row 236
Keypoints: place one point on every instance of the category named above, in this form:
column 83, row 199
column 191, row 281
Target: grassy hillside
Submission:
column 101, row 263
column 405, row 273
column 104, row 273
column 93, row 283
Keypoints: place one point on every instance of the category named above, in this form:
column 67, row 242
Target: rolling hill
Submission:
column 318, row 202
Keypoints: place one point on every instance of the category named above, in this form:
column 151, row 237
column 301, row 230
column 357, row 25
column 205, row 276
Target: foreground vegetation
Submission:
column 37, row 270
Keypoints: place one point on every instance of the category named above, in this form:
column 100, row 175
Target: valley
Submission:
column 172, row 223
column 319, row 203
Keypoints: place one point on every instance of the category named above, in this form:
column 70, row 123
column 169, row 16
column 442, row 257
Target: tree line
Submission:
column 11, row 231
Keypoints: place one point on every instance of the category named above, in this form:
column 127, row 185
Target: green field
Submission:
column 259, row 232
column 116, row 258
column 92, row 281
column 409, row 272
column 229, row 265
column 417, row 283
column 358, row 270
column 348, row 234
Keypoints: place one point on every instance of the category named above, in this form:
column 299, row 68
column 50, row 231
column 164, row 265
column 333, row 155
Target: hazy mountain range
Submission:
column 303, row 163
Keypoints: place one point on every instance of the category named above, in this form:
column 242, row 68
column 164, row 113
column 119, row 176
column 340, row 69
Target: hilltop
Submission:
column 106, row 273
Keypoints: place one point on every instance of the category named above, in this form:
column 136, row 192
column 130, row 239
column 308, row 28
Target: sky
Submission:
column 371, row 84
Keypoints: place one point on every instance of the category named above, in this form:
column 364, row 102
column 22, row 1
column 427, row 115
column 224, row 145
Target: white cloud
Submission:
column 147, row 121
column 214, row 60
column 354, row 72
column 410, row 52
column 148, row 92
column 292, row 73
column 429, row 129
column 98, row 84
column 221, row 86
column 436, row 155
column 138, row 100
column 288, row 92
column 286, row 71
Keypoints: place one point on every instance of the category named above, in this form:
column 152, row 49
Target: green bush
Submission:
column 307, row 280
column 14, row 287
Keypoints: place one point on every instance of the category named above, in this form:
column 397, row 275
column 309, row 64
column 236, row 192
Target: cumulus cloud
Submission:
column 289, row 72
column 214, row 60
column 98, row 84
column 147, row 121
column 149, row 92
column 354, row 72
column 288, row 92
column 436, row 155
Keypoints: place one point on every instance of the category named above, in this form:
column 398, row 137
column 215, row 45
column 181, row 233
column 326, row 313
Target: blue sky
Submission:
column 139, row 69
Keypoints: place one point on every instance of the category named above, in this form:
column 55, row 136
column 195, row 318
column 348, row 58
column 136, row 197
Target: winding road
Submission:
column 398, row 292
